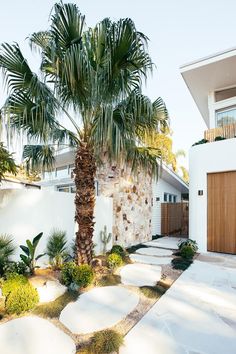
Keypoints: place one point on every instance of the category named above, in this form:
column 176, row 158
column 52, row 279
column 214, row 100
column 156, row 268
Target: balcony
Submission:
column 226, row 131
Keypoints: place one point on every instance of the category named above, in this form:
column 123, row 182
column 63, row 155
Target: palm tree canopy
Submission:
column 93, row 76
column 7, row 163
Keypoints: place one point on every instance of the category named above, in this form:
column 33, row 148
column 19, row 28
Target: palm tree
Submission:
column 92, row 76
column 7, row 163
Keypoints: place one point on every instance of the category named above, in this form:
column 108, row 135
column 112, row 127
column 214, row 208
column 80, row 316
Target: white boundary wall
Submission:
column 206, row 158
column 25, row 213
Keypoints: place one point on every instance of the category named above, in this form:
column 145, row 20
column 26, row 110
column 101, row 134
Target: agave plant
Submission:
column 7, row 249
column 57, row 248
column 29, row 257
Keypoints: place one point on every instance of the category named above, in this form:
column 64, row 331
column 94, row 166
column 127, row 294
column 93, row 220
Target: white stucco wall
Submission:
column 25, row 213
column 211, row 157
column 159, row 188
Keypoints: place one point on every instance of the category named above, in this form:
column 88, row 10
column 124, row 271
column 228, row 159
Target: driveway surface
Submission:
column 197, row 315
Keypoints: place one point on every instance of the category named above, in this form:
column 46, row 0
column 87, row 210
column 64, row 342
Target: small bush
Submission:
column 7, row 249
column 180, row 263
column 53, row 309
column 117, row 249
column 84, row 275
column 191, row 243
column 15, row 268
column 21, row 299
column 13, row 282
column 187, row 252
column 80, row 275
column 114, row 261
column 68, row 273
column 107, row 341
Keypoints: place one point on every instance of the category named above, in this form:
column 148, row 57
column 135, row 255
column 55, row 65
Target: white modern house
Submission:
column 137, row 211
column 212, row 84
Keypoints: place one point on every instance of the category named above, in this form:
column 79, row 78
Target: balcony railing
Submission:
column 226, row 131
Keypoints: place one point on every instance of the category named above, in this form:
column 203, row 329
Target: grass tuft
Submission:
column 109, row 280
column 153, row 292
column 180, row 263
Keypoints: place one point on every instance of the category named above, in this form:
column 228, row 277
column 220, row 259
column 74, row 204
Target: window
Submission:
column 65, row 189
column 170, row 198
column 70, row 188
column 225, row 116
column 62, row 172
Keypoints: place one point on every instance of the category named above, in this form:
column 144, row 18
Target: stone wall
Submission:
column 132, row 198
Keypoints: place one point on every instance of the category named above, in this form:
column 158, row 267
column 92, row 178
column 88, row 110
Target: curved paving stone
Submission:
column 34, row 335
column 50, row 291
column 98, row 309
column 140, row 258
column 152, row 251
column 140, row 274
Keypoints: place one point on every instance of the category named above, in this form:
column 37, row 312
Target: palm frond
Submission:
column 39, row 157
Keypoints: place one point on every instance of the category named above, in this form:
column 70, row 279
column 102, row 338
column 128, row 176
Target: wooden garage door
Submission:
column 221, row 212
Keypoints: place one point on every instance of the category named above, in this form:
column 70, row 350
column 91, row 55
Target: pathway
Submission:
column 197, row 315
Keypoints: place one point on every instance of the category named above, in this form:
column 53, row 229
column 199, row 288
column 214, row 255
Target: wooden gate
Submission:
column 174, row 219
column 221, row 212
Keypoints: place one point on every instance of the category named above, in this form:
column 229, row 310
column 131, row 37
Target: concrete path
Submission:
column 197, row 315
column 165, row 242
column 154, row 251
column 34, row 335
column 98, row 309
column 140, row 258
column 140, row 274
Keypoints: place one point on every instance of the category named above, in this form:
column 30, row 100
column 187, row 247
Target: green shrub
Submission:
column 187, row 252
column 68, row 273
column 114, row 261
column 16, row 268
column 13, row 282
column 107, row 341
column 7, row 249
column 21, row 299
column 117, row 249
column 84, row 275
column 180, row 263
column 80, row 275
column 56, row 248
column 190, row 243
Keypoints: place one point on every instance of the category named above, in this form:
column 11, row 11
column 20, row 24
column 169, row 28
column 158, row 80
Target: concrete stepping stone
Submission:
column 34, row 335
column 165, row 242
column 98, row 309
column 50, row 291
column 140, row 258
column 140, row 274
column 152, row 251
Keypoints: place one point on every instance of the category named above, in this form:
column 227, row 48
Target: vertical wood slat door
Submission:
column 221, row 212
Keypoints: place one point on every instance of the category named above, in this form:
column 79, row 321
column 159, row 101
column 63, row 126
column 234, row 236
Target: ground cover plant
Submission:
column 104, row 342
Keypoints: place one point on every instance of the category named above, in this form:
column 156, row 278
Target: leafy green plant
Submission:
column 80, row 275
column 29, row 257
column 187, row 252
column 7, row 163
column 191, row 243
column 68, row 273
column 21, row 299
column 114, row 261
column 7, row 249
column 180, row 263
column 107, row 341
column 56, row 248
column 84, row 275
column 118, row 250
column 218, row 138
column 200, row 142
column 53, row 309
column 105, row 238
column 12, row 283
column 15, row 267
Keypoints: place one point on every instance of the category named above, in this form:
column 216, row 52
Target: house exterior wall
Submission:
column 211, row 157
column 160, row 187
column 25, row 213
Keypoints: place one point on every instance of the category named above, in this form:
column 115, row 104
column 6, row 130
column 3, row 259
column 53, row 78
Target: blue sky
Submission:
column 179, row 32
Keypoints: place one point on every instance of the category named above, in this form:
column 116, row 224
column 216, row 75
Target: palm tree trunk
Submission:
column 85, row 169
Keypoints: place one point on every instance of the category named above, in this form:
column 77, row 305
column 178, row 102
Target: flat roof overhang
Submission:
column 209, row 74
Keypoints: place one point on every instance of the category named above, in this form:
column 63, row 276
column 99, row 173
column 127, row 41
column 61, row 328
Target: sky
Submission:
column 179, row 31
